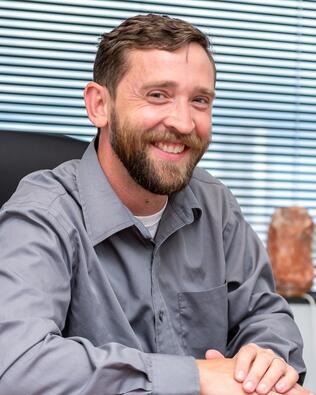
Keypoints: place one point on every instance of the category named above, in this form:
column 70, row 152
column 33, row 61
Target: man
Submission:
column 130, row 271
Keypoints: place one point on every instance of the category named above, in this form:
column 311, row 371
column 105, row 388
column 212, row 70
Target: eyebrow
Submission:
column 173, row 84
column 206, row 91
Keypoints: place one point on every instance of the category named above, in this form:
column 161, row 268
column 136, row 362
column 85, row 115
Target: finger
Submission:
column 213, row 354
column 265, row 372
column 287, row 382
column 277, row 370
column 244, row 359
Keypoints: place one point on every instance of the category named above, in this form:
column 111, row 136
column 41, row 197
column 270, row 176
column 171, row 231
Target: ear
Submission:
column 97, row 98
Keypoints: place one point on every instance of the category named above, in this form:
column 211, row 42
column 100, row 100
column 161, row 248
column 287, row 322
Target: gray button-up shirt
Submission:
column 91, row 304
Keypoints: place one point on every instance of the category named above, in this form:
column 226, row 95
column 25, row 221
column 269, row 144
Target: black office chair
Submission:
column 21, row 153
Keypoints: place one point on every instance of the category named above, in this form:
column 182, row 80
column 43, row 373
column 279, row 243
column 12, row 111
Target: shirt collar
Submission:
column 104, row 213
column 186, row 204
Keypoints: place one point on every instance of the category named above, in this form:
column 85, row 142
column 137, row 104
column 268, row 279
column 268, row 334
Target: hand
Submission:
column 217, row 377
column 298, row 390
column 295, row 390
column 261, row 370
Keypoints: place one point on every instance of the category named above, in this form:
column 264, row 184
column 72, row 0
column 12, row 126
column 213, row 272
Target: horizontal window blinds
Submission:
column 263, row 145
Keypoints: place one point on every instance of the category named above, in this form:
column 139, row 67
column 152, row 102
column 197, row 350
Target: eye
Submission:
column 157, row 96
column 202, row 103
column 202, row 100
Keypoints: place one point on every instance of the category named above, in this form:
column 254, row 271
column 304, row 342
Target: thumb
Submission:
column 213, row 354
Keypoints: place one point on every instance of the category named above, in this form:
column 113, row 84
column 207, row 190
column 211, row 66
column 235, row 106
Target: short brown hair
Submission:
column 142, row 32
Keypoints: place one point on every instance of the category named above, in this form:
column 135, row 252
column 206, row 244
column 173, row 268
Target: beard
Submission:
column 130, row 143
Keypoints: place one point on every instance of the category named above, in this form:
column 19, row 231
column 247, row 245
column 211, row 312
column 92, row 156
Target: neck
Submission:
column 137, row 199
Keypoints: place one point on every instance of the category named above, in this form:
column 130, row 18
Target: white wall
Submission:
column 305, row 317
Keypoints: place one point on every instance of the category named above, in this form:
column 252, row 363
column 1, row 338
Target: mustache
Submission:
column 169, row 136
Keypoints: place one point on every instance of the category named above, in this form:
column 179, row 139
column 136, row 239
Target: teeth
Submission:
column 171, row 148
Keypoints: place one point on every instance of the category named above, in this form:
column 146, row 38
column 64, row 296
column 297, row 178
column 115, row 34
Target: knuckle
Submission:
column 267, row 358
column 280, row 364
column 293, row 373
column 270, row 352
column 252, row 347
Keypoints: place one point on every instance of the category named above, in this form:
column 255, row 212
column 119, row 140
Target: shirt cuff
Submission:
column 174, row 375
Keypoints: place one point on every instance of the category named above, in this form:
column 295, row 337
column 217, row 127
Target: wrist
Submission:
column 203, row 376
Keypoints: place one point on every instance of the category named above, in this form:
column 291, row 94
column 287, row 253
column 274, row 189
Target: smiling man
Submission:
column 132, row 271
column 157, row 127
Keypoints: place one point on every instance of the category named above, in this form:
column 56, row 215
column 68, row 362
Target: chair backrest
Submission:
column 21, row 153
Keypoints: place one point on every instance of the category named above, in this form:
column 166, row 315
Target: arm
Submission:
column 218, row 370
column 256, row 313
column 37, row 260
column 260, row 370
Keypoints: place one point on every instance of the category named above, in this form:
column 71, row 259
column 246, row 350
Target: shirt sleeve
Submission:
column 257, row 313
column 36, row 274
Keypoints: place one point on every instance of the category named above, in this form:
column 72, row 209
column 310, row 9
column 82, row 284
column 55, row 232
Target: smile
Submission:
column 170, row 148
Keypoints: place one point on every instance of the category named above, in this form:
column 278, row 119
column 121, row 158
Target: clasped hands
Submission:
column 253, row 370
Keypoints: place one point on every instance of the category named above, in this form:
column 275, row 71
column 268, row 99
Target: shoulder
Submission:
column 44, row 186
column 207, row 187
column 47, row 192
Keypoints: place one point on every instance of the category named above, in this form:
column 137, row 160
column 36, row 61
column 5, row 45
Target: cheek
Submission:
column 203, row 127
column 149, row 117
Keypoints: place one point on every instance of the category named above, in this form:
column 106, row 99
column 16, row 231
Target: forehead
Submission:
column 187, row 65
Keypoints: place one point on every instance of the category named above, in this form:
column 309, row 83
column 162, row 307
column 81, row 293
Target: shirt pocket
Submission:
column 203, row 320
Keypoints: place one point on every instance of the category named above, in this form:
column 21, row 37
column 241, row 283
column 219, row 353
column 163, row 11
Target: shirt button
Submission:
column 161, row 315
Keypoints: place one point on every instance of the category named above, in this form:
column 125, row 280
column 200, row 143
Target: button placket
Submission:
column 161, row 315
column 158, row 305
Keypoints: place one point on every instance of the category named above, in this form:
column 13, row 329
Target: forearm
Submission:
column 58, row 366
column 257, row 314
column 273, row 330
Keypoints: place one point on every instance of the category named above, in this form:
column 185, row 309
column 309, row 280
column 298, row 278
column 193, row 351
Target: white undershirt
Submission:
column 151, row 222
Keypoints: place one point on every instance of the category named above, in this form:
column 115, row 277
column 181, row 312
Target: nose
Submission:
column 180, row 119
